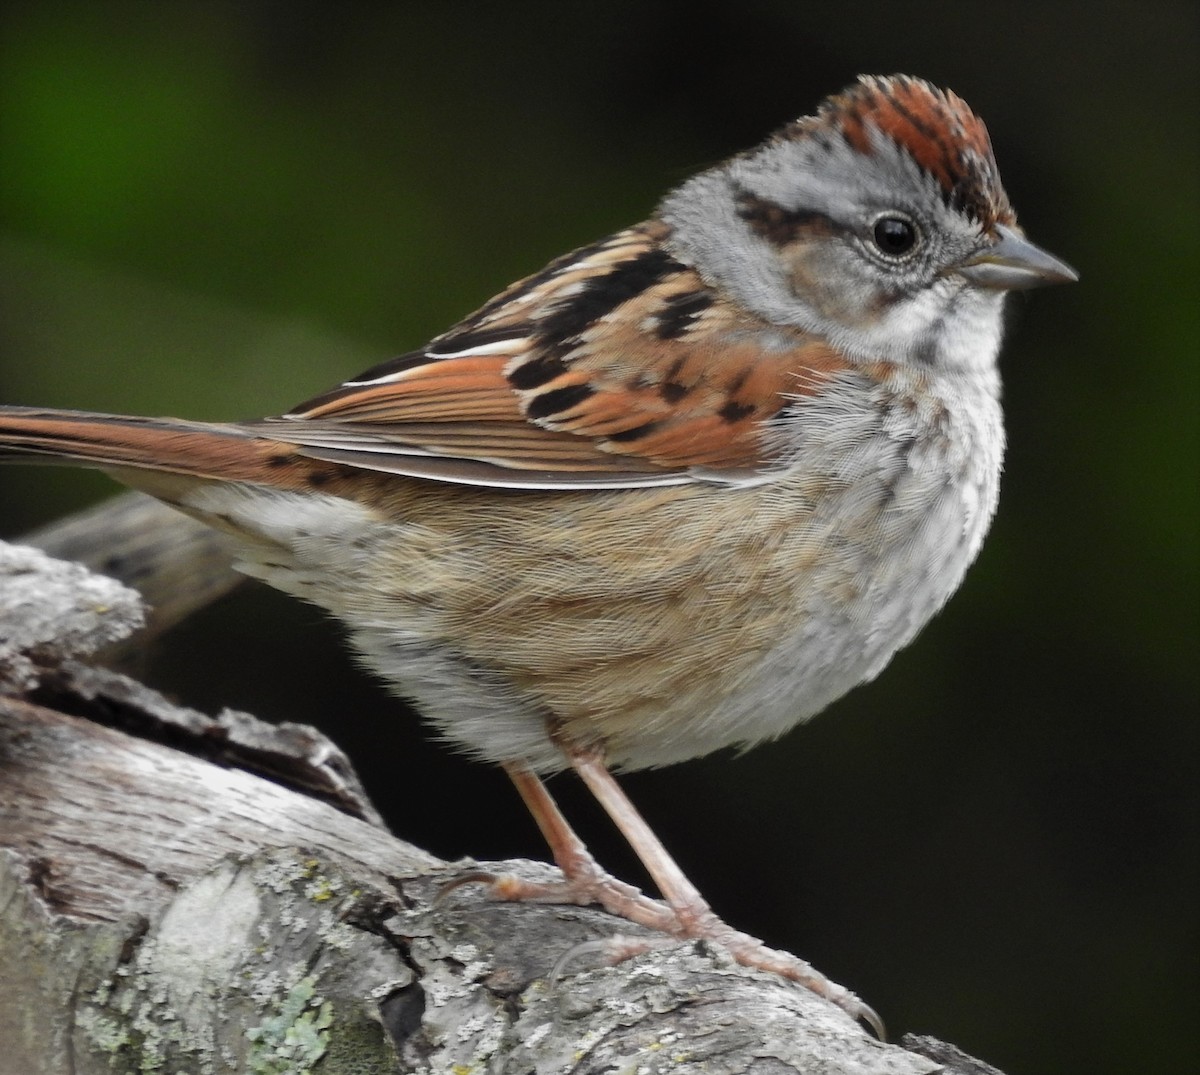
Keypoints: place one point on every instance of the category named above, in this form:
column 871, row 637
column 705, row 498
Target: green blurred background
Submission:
column 216, row 210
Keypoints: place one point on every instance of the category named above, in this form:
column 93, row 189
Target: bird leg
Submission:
column 585, row 882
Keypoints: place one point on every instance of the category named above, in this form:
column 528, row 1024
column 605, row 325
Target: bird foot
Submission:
column 587, row 886
column 590, row 885
column 751, row 952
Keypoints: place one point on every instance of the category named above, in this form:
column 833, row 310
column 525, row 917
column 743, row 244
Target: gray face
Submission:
column 859, row 247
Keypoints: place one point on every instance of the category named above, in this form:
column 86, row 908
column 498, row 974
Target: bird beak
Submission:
column 1013, row 263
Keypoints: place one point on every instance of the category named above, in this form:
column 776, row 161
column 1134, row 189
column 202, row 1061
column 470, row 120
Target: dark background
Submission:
column 216, row 210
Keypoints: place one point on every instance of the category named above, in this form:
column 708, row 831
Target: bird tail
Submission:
column 159, row 445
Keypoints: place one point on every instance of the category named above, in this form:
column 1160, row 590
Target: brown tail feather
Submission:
column 165, row 445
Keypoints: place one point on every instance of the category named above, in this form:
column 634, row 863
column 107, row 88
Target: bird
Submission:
column 677, row 491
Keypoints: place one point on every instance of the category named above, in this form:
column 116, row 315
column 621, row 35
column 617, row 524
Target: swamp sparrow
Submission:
column 677, row 491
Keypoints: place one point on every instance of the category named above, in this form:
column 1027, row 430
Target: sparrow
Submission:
column 676, row 492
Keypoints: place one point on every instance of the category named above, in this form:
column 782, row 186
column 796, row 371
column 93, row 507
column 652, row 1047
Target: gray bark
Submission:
column 183, row 893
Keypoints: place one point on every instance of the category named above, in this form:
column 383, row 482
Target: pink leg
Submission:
column 569, row 852
column 585, row 882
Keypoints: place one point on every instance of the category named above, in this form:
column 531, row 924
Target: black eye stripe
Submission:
column 779, row 226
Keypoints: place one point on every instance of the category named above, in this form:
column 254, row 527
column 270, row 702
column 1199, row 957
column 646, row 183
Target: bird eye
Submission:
column 895, row 235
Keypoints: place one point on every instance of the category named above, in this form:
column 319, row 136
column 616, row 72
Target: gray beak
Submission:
column 1013, row 263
